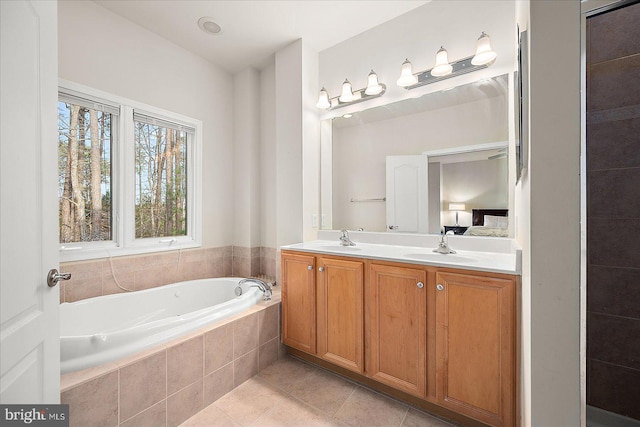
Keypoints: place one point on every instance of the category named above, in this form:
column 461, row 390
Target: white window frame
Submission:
column 123, row 183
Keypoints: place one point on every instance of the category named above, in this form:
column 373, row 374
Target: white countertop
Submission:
column 497, row 262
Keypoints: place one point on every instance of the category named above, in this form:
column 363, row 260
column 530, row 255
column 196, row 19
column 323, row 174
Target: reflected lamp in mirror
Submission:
column 443, row 69
column 349, row 96
column 457, row 207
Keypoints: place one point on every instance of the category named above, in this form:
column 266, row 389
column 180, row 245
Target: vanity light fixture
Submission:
column 484, row 53
column 347, row 92
column 323, row 99
column 373, row 86
column 406, row 75
column 443, row 69
column 349, row 96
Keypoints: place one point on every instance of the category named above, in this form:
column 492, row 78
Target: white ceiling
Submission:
column 253, row 30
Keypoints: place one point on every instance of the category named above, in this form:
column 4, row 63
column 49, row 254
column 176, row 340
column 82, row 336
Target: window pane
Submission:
column 161, row 181
column 84, row 173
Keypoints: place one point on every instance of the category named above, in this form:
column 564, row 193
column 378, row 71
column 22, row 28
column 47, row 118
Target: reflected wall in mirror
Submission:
column 355, row 150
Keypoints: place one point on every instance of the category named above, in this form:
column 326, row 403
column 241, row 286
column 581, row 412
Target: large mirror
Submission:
column 418, row 164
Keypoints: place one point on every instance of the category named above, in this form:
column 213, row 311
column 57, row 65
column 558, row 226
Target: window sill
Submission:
column 111, row 252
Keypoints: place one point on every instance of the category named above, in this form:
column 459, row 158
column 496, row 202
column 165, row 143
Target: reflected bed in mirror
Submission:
column 465, row 121
column 489, row 223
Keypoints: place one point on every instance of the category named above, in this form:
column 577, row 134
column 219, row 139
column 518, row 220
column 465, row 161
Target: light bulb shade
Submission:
column 456, row 206
column 442, row 67
column 347, row 93
column 373, row 86
column 323, row 99
column 406, row 75
column 484, row 53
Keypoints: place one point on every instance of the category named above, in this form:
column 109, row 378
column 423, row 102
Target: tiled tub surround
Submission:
column 166, row 385
column 96, row 277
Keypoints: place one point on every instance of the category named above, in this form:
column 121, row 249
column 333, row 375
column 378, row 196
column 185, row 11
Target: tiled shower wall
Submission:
column 613, row 211
column 102, row 276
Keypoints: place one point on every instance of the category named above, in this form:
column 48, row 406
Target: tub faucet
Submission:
column 345, row 240
column 443, row 245
column 260, row 284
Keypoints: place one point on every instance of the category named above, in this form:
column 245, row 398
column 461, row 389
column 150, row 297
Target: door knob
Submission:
column 420, row 285
column 439, row 287
column 310, row 267
column 321, row 269
column 54, row 277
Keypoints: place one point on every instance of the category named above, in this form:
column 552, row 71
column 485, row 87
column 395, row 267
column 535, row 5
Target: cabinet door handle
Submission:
column 310, row 267
column 320, row 269
column 439, row 287
column 420, row 285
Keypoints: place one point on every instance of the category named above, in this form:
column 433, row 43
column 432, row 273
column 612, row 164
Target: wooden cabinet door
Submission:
column 299, row 302
column 396, row 301
column 475, row 327
column 340, row 302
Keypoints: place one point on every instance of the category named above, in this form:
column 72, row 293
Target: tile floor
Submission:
column 294, row 393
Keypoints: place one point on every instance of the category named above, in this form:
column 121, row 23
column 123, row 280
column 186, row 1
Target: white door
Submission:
column 407, row 202
column 29, row 330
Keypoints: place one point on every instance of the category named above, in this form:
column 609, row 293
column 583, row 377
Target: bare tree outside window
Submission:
column 84, row 173
column 161, row 181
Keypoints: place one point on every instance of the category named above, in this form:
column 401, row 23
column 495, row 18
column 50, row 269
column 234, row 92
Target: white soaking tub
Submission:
column 103, row 329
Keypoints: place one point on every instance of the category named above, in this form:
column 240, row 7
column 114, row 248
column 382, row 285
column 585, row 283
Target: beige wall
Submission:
column 548, row 204
column 102, row 50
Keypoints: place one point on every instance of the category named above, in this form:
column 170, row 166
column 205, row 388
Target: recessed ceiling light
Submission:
column 348, row 116
column 207, row 25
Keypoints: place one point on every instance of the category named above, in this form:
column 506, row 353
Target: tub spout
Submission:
column 260, row 284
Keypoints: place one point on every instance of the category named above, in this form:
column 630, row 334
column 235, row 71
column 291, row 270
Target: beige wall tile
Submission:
column 185, row 364
column 245, row 367
column 268, row 353
column 269, row 323
column 184, row 404
column 241, row 252
column 218, row 348
column 93, row 403
column 85, row 282
column 245, row 335
column 142, row 385
column 218, row 383
column 156, row 416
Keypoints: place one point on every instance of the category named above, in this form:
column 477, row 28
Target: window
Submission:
column 160, row 177
column 84, row 169
column 129, row 176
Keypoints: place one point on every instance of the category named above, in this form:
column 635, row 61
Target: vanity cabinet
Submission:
column 396, row 300
column 299, row 301
column 322, row 308
column 340, row 328
column 444, row 336
column 475, row 346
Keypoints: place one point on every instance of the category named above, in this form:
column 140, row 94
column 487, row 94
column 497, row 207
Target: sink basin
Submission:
column 440, row 257
column 339, row 248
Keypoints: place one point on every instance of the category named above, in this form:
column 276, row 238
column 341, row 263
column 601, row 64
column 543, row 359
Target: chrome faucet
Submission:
column 260, row 284
column 345, row 240
column 443, row 245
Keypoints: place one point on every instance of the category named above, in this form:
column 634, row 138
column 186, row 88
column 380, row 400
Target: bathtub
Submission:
column 103, row 329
